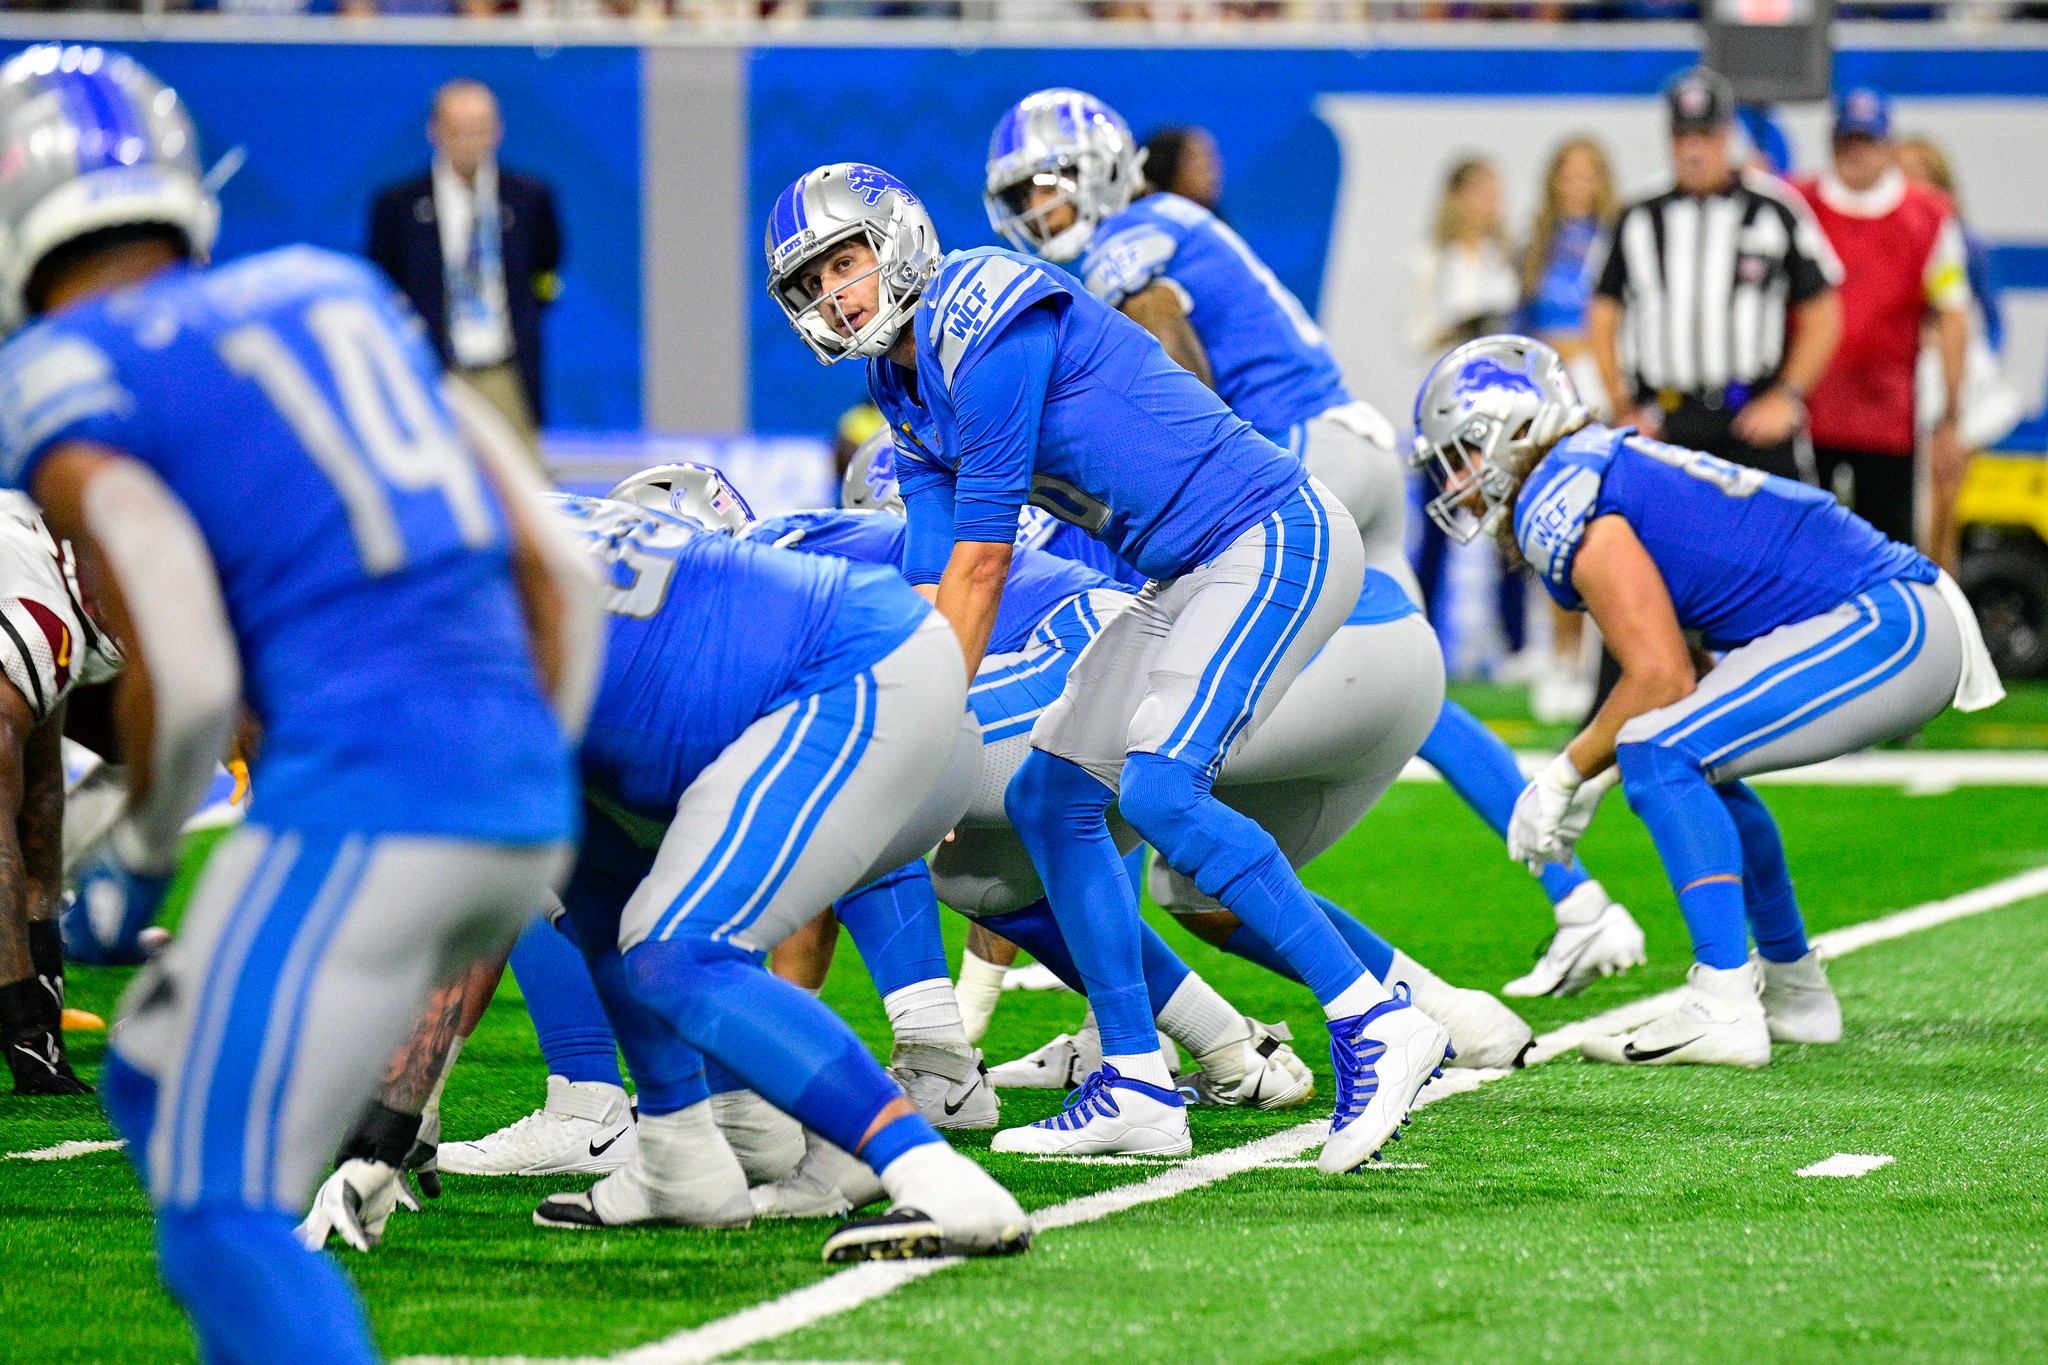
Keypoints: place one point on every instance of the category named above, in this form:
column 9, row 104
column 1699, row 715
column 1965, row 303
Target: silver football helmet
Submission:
column 696, row 491
column 837, row 204
column 89, row 140
column 1482, row 416
column 870, row 483
column 1072, row 143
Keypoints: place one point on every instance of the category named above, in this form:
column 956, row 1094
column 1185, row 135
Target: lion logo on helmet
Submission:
column 871, row 184
column 1485, row 372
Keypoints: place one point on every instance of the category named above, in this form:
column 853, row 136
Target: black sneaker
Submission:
column 40, row 1067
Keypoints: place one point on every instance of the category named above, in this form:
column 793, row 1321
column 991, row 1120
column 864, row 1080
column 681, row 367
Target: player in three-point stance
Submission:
column 1065, row 179
column 273, row 508
column 1030, row 389
column 1830, row 638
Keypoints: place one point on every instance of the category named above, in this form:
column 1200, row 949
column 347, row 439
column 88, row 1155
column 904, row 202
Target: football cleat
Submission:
column 1382, row 1059
column 942, row 1204
column 1484, row 1032
column 1799, row 1004
column 1110, row 1112
column 1065, row 1062
column 36, row 1057
column 1579, row 954
column 768, row 1142
column 1719, row 1022
column 1259, row 1071
column 586, row 1128
column 682, row 1174
column 951, row 1089
column 827, row 1183
column 353, row 1204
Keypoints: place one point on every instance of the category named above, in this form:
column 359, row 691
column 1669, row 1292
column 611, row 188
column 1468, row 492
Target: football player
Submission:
column 49, row 644
column 1065, row 179
column 1828, row 638
column 1009, row 384
column 271, row 504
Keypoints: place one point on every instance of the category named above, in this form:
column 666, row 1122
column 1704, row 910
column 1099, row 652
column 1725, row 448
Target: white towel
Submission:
column 1979, row 686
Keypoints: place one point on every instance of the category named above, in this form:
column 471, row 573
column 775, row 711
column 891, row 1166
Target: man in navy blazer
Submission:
column 477, row 250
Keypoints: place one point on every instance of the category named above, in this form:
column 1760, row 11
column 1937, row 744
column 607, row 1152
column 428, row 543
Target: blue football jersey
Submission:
column 710, row 633
column 292, row 405
column 1037, row 390
column 1038, row 581
column 1038, row 529
column 1742, row 552
column 1270, row 360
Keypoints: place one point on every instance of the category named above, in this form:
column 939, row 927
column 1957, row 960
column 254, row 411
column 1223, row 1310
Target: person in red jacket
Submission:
column 1903, row 261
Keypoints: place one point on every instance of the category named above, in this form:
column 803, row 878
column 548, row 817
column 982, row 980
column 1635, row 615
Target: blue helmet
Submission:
column 1485, row 414
column 90, row 140
column 1073, row 144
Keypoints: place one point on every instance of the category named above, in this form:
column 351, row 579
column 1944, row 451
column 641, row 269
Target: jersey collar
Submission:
column 1877, row 201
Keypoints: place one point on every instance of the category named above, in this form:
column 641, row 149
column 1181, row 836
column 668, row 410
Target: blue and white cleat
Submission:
column 1382, row 1059
column 1110, row 1112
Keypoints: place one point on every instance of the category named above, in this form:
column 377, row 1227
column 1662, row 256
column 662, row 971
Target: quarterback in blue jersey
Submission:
column 1011, row 385
column 260, row 468
column 771, row 730
column 1065, row 179
column 1829, row 638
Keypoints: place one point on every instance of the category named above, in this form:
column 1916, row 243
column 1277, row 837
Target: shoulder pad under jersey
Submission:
column 973, row 294
column 1557, row 502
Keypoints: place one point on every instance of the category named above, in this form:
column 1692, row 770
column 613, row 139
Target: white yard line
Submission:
column 1846, row 1165
column 1919, row 773
column 863, row 1284
column 64, row 1151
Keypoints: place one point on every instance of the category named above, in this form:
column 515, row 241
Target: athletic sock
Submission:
column 46, row 964
column 668, row 1074
column 1482, row 770
column 575, row 1037
column 1232, row 860
column 1375, row 954
column 894, row 922
column 1149, row 1067
column 979, row 991
column 1199, row 1019
column 1767, row 896
column 899, row 1136
column 1036, row 931
column 1360, row 996
column 927, row 1013
column 1697, row 839
column 1060, row 812
column 255, row 1294
column 1249, row 946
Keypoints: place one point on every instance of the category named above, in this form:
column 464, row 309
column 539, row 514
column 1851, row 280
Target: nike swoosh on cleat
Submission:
column 952, row 1109
column 596, row 1150
column 1636, row 1054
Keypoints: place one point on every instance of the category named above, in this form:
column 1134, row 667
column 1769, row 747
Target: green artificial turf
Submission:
column 1566, row 1213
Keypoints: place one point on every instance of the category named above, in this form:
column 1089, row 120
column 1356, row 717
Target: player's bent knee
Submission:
column 1051, row 788
column 1159, row 796
column 1650, row 770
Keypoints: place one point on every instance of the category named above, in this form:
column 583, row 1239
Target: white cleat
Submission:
column 1799, row 1004
column 1484, row 1032
column 1035, row 976
column 1111, row 1112
column 1066, row 1061
column 586, row 1128
column 1382, row 1059
column 941, row 1204
column 682, row 1175
column 353, row 1204
column 828, row 1183
column 1720, row 1022
column 768, row 1142
column 951, row 1089
column 1258, row 1071
column 1588, row 945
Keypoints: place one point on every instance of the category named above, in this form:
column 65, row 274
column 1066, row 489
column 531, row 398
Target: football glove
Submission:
column 1540, row 811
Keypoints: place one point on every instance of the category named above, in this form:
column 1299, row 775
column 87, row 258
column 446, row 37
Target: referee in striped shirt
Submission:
column 1724, row 289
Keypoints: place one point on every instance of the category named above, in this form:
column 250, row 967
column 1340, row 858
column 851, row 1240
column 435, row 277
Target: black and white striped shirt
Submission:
column 1705, row 281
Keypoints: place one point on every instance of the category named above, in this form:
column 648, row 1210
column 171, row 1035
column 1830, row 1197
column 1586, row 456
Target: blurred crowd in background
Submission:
column 1166, row 13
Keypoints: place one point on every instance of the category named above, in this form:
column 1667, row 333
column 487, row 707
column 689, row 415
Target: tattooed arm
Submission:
column 17, row 903
column 41, row 822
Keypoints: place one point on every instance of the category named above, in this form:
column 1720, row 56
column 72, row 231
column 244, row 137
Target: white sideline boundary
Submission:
column 865, row 1283
column 1929, row 772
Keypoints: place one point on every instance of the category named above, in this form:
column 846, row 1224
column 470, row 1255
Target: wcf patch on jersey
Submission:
column 1550, row 530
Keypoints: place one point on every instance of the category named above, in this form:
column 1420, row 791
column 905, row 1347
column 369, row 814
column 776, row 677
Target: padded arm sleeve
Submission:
column 159, row 560
column 998, row 404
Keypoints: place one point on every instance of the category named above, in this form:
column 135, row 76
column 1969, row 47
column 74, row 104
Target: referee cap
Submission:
column 1699, row 101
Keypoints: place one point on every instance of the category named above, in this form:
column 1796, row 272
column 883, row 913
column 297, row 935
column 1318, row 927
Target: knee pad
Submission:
column 1048, row 789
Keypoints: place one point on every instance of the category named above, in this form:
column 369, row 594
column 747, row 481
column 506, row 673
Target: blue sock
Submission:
column 894, row 921
column 1481, row 769
column 1697, row 840
column 1373, row 951
column 668, row 1073
column 254, row 1294
column 787, row 1047
column 1774, row 919
column 1036, row 931
column 575, row 1038
column 1230, row 858
column 1060, row 814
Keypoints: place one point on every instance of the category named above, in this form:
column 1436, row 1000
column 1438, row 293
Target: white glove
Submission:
column 1585, row 804
column 1540, row 813
column 355, row 1203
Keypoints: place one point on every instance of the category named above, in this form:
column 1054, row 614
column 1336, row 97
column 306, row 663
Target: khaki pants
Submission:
column 501, row 388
